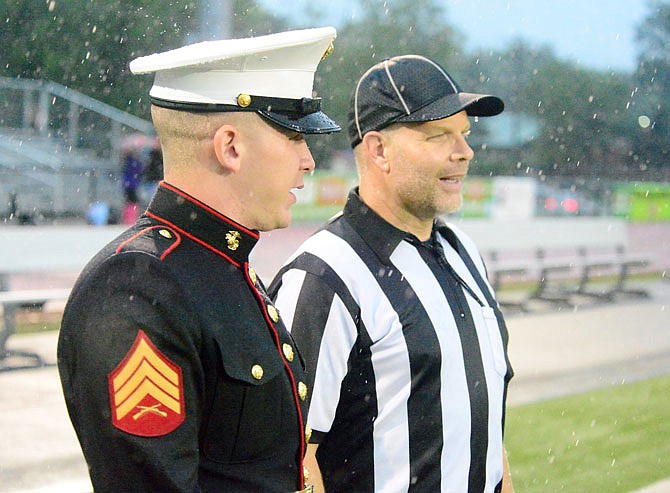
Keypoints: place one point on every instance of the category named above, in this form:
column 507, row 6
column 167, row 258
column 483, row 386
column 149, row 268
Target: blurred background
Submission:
column 570, row 187
column 586, row 86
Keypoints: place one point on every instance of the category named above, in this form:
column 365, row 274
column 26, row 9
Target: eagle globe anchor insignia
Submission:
column 233, row 239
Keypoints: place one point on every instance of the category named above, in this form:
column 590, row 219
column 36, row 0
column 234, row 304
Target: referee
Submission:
column 402, row 336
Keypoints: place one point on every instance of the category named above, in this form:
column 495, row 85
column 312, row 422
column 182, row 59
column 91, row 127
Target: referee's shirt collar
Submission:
column 382, row 237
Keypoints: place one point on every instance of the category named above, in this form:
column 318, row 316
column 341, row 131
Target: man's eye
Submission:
column 467, row 134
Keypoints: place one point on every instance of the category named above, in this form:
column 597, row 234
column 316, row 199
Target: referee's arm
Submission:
column 507, row 476
column 325, row 331
column 312, row 466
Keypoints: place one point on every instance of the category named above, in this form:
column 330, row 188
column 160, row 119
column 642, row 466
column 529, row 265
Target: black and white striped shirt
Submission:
column 406, row 353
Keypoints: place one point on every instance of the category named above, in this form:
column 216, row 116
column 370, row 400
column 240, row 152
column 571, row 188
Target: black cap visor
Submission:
column 312, row 123
column 472, row 104
column 300, row 115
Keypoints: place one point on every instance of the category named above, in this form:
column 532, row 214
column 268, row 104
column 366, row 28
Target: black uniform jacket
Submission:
column 177, row 372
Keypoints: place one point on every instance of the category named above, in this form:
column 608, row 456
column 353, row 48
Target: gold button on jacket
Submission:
column 257, row 372
column 288, row 352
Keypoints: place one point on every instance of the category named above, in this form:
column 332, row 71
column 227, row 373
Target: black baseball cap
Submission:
column 410, row 89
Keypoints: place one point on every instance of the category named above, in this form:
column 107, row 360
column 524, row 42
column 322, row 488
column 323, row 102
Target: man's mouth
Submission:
column 453, row 178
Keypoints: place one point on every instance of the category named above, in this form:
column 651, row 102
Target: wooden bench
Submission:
column 12, row 302
column 565, row 259
column 563, row 280
column 41, row 250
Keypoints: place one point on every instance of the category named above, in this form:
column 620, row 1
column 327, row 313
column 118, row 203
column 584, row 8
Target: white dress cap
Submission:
column 272, row 75
column 277, row 65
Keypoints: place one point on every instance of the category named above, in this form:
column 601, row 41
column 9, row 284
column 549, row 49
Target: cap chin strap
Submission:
column 293, row 107
column 302, row 106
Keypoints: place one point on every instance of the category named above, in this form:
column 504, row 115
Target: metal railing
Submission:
column 62, row 139
column 38, row 110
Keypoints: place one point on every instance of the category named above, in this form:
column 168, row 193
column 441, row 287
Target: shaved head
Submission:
column 186, row 136
column 197, row 126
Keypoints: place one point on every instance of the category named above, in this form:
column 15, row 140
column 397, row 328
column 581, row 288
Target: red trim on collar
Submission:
column 209, row 209
column 190, row 236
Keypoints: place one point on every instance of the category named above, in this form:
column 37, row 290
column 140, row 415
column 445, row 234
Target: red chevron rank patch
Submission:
column 146, row 391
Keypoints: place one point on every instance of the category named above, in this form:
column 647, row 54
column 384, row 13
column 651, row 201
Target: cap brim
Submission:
column 313, row 123
column 472, row 104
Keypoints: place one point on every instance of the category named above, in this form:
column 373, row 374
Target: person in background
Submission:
column 401, row 332
column 131, row 176
column 151, row 175
column 178, row 373
column 130, row 181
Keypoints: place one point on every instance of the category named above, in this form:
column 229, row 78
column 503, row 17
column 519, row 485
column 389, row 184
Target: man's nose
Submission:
column 307, row 163
column 463, row 151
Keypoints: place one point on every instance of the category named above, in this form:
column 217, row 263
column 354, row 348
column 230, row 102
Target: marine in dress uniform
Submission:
column 177, row 370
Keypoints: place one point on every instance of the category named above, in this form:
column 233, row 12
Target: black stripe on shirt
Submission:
column 353, row 470
column 469, row 263
column 474, row 369
column 424, row 422
column 467, row 260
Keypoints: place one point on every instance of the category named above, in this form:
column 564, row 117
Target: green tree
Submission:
column 383, row 29
column 583, row 115
column 652, row 96
column 87, row 45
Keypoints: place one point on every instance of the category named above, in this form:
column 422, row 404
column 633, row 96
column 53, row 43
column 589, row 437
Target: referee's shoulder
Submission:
column 310, row 258
column 322, row 240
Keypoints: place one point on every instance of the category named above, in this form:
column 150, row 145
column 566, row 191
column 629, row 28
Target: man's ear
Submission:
column 375, row 148
column 227, row 148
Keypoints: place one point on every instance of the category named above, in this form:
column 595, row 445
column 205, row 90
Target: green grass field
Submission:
column 38, row 326
column 613, row 440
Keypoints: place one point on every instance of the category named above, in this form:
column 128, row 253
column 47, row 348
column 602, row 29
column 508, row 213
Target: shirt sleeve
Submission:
column 325, row 330
column 128, row 296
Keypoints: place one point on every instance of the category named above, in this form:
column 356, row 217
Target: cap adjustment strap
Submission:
column 246, row 102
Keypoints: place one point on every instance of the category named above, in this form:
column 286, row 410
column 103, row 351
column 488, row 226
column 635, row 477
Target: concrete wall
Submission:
column 27, row 252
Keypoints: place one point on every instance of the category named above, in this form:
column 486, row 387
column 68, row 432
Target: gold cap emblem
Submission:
column 288, row 352
column 257, row 372
column 328, row 51
column 233, row 239
column 165, row 233
column 302, row 391
column 243, row 100
column 274, row 315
